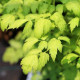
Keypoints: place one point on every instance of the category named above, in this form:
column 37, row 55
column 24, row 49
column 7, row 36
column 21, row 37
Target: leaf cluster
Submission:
column 51, row 30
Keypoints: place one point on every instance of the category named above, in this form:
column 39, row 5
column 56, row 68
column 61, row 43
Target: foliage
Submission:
column 14, row 52
column 50, row 36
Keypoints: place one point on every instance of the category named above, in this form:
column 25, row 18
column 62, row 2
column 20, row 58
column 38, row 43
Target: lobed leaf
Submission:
column 53, row 46
column 42, row 45
column 29, row 43
column 29, row 63
column 74, row 23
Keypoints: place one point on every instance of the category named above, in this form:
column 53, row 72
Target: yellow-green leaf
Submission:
column 64, row 38
column 74, row 23
column 69, row 58
column 17, row 23
column 29, row 43
column 53, row 46
column 59, row 21
column 43, row 59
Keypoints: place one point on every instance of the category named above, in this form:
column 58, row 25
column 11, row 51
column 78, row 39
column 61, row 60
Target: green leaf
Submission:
column 53, row 26
column 28, row 28
column 66, row 1
column 77, row 76
column 28, row 2
column 77, row 50
column 74, row 6
column 38, row 28
column 51, row 8
column 7, row 20
column 9, row 55
column 45, row 15
column 78, row 63
column 30, row 6
column 64, row 38
column 42, row 45
column 29, row 63
column 47, row 1
column 53, row 46
column 53, row 53
column 47, row 26
column 43, row 7
column 59, row 8
column 74, row 23
column 15, row 44
column 42, row 26
column 34, row 52
column 34, row 6
column 59, row 21
column 70, row 73
column 31, row 16
column 44, row 37
column 43, row 59
column 1, row 8
column 36, row 16
column 12, row 55
column 12, row 5
column 17, row 23
column 26, row 9
column 69, row 58
column 0, row 5
column 29, row 43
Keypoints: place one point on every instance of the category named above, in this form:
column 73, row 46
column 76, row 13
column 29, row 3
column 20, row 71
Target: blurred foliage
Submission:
column 55, row 71
column 14, row 53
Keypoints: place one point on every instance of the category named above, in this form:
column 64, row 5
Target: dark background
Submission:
column 7, row 71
